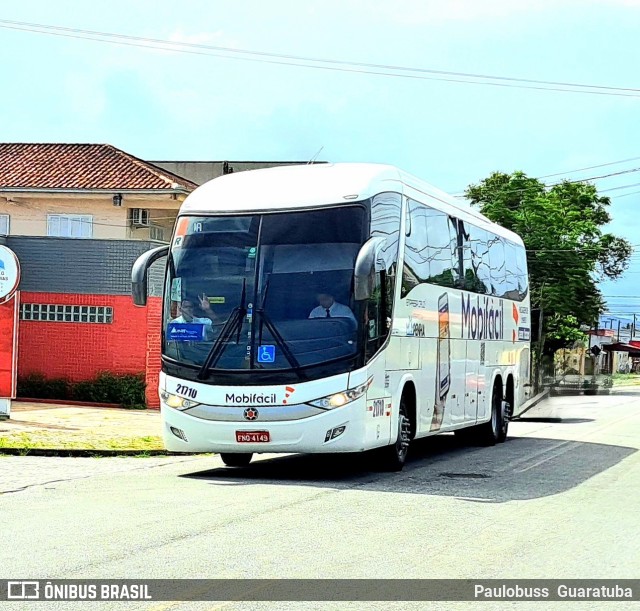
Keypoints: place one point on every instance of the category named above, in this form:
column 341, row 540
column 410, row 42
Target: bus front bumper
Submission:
column 339, row 430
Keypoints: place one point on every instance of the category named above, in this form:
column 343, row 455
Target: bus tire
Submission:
column 494, row 431
column 505, row 416
column 236, row 460
column 394, row 456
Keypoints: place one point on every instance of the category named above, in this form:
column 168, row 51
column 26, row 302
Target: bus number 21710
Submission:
column 181, row 389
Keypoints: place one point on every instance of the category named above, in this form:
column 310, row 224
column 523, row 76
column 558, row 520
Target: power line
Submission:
column 577, row 181
column 625, row 194
column 303, row 61
column 637, row 184
column 592, row 167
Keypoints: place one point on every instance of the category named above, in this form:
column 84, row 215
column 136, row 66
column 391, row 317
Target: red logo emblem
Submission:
column 289, row 391
column 251, row 413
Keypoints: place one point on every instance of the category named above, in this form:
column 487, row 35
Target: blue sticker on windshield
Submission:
column 185, row 332
column 266, row 354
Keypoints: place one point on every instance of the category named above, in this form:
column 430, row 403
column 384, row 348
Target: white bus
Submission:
column 337, row 308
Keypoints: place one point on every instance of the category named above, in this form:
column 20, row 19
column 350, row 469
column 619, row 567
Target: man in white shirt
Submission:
column 330, row 308
column 186, row 312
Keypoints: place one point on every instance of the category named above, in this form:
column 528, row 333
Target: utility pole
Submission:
column 633, row 328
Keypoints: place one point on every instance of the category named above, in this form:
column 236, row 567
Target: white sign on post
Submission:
column 9, row 273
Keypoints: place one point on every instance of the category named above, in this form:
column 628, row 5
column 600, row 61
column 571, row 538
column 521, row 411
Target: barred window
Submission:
column 66, row 313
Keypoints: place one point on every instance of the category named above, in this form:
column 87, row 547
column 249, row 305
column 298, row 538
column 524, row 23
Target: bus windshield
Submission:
column 263, row 292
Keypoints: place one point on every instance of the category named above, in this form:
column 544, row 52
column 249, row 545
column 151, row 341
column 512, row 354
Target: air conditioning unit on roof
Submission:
column 140, row 217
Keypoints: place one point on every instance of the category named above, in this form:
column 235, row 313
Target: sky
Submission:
column 197, row 99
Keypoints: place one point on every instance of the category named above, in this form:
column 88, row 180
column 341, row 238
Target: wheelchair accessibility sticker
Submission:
column 266, row 354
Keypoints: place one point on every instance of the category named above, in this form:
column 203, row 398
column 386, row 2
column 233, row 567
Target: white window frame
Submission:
column 77, row 226
column 4, row 227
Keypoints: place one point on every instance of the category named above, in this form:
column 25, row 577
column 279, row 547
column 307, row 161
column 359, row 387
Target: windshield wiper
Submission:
column 280, row 341
column 234, row 322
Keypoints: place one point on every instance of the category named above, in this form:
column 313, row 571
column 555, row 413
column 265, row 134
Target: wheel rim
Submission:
column 404, row 434
column 506, row 414
column 494, row 414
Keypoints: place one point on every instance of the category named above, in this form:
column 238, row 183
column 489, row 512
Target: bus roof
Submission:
column 307, row 186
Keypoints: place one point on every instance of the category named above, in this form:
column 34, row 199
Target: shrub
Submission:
column 37, row 386
column 127, row 390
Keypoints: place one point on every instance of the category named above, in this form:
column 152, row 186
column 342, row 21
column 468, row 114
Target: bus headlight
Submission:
column 342, row 398
column 176, row 402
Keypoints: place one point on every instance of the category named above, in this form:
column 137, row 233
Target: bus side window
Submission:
column 385, row 221
column 498, row 266
column 379, row 310
column 521, row 271
column 374, row 315
column 468, row 280
column 416, row 257
column 440, row 252
column 479, row 261
column 512, row 288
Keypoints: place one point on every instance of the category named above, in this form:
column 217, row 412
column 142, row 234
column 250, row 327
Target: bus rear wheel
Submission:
column 495, row 431
column 236, row 460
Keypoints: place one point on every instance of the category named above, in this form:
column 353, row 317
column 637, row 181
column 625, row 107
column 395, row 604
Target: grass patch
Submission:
column 626, row 379
column 54, row 440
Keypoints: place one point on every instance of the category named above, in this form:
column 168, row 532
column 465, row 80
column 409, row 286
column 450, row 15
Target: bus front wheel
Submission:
column 236, row 460
column 393, row 457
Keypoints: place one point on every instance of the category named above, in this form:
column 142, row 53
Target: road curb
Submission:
column 531, row 403
column 89, row 453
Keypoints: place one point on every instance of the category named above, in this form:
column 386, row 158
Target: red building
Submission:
column 78, row 216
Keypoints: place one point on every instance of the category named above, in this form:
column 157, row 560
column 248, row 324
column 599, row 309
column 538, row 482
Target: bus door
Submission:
column 384, row 367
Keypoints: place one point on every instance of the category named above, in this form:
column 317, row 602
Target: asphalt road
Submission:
column 559, row 499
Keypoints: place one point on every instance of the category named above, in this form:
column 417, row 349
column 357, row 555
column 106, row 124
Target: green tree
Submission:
column 567, row 251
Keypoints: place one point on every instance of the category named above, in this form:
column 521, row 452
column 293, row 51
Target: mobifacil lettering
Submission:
column 253, row 399
column 482, row 319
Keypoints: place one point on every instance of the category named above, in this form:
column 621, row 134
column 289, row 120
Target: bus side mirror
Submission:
column 365, row 268
column 139, row 273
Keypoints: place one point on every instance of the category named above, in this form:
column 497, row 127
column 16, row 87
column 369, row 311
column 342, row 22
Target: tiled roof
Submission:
column 81, row 166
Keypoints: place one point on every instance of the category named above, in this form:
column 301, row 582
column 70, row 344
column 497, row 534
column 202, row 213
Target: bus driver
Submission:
column 330, row 308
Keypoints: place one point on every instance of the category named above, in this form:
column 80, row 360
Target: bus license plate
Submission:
column 253, row 436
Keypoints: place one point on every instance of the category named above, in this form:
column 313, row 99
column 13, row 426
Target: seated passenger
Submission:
column 186, row 312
